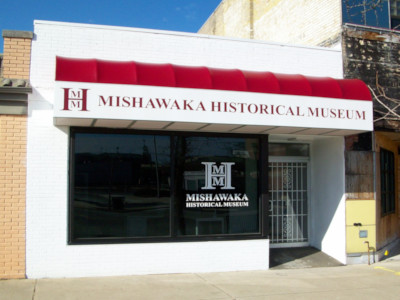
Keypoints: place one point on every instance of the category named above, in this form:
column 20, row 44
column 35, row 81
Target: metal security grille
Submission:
column 288, row 196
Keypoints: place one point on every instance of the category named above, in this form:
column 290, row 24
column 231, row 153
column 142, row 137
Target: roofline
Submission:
column 180, row 33
column 17, row 34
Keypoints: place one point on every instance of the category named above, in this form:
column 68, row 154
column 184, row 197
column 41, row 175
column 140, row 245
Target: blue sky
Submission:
column 177, row 15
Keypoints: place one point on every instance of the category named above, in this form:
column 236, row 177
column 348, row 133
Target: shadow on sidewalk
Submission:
column 299, row 258
column 393, row 254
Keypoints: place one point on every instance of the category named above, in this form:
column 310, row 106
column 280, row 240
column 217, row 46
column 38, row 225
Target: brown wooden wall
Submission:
column 388, row 226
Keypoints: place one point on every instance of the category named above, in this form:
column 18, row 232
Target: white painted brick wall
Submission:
column 303, row 22
column 328, row 201
column 48, row 254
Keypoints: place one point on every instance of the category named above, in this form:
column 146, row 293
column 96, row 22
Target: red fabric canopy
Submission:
column 130, row 72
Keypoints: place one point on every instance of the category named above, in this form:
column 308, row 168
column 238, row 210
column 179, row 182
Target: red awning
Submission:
column 168, row 75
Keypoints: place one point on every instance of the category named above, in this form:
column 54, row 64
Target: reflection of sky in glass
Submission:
column 97, row 143
column 366, row 12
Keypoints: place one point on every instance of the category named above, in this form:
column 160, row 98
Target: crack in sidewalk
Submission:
column 215, row 286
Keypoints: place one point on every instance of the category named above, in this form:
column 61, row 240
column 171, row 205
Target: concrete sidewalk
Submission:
column 378, row 281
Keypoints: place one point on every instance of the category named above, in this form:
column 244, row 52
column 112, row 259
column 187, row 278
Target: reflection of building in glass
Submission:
column 194, row 180
column 366, row 12
column 395, row 14
column 113, row 189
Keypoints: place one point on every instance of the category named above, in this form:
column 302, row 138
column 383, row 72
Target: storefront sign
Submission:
column 217, row 176
column 149, row 103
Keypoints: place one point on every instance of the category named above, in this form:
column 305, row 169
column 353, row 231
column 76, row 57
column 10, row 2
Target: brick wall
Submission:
column 13, row 135
column 303, row 22
column 12, row 196
column 231, row 18
column 372, row 56
column 17, row 54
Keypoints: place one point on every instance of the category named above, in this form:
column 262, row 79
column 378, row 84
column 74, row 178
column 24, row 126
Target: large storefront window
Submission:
column 127, row 186
column 216, row 186
column 120, row 186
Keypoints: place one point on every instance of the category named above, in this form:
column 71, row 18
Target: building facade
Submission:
column 370, row 54
column 365, row 31
column 14, row 90
column 281, row 21
column 182, row 153
column 304, row 22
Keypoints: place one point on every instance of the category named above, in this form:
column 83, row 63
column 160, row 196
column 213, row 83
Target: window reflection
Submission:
column 284, row 149
column 128, row 185
column 121, row 186
column 366, row 12
column 233, row 157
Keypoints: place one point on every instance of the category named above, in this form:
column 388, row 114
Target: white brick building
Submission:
column 66, row 233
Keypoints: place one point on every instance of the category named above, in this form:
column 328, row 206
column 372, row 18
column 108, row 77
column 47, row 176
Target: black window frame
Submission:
column 262, row 190
column 388, row 182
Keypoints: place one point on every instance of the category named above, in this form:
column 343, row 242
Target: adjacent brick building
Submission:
column 282, row 21
column 14, row 88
